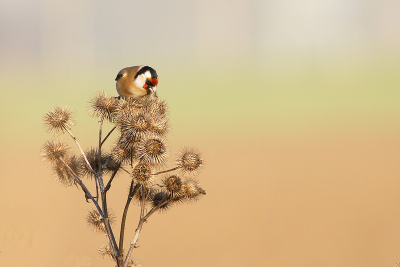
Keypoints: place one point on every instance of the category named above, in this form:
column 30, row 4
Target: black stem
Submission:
column 111, row 179
column 132, row 191
column 105, row 138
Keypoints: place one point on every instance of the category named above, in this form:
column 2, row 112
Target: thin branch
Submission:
column 99, row 155
column 125, row 170
column 138, row 229
column 106, row 219
column 104, row 198
column 111, row 179
column 136, row 236
column 132, row 191
column 83, row 153
column 170, row 170
column 105, row 138
column 110, row 234
column 143, row 202
column 84, row 188
column 97, row 187
column 133, row 242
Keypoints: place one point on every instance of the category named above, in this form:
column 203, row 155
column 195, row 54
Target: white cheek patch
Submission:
column 140, row 81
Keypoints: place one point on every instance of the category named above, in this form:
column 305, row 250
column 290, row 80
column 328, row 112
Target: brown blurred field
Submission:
column 324, row 195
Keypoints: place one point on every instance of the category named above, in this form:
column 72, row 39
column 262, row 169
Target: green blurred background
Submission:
column 294, row 104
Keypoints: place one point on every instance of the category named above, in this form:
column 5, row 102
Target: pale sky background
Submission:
column 102, row 31
column 247, row 53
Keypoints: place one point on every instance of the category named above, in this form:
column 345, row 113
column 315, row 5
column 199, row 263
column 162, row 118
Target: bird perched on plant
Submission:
column 137, row 82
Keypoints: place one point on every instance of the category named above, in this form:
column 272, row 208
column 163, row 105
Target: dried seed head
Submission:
column 124, row 150
column 96, row 222
column 66, row 175
column 159, row 125
column 53, row 151
column 157, row 107
column 173, row 185
column 58, row 119
column 105, row 251
column 62, row 174
column 76, row 165
column 152, row 150
column 144, row 192
column 133, row 125
column 112, row 164
column 134, row 263
column 128, row 142
column 139, row 123
column 161, row 200
column 191, row 189
column 103, row 106
column 92, row 156
column 142, row 173
column 190, row 160
column 132, row 105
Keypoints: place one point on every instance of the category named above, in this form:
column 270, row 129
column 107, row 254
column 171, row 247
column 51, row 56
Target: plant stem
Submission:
column 132, row 191
column 170, row 170
column 111, row 179
column 106, row 220
column 105, row 138
column 110, row 234
column 125, row 170
column 96, row 176
column 100, row 169
column 133, row 242
column 84, row 188
column 83, row 153
column 137, row 232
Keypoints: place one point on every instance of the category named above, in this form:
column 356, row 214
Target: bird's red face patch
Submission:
column 154, row 81
column 150, row 81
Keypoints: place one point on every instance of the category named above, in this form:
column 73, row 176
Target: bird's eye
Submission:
column 119, row 76
column 147, row 84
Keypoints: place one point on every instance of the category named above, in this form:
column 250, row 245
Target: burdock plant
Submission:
column 139, row 149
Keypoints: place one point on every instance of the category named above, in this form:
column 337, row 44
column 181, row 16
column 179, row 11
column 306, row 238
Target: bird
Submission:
column 137, row 82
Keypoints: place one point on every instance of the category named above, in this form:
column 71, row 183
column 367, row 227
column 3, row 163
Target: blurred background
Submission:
column 293, row 104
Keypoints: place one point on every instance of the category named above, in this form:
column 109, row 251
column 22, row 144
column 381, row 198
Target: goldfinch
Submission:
column 137, row 82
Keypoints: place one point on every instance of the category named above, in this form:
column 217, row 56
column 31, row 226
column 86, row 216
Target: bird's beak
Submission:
column 153, row 87
column 153, row 90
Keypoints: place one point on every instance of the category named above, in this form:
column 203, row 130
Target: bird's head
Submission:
column 147, row 78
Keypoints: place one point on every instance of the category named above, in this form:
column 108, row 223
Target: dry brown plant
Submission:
column 139, row 150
